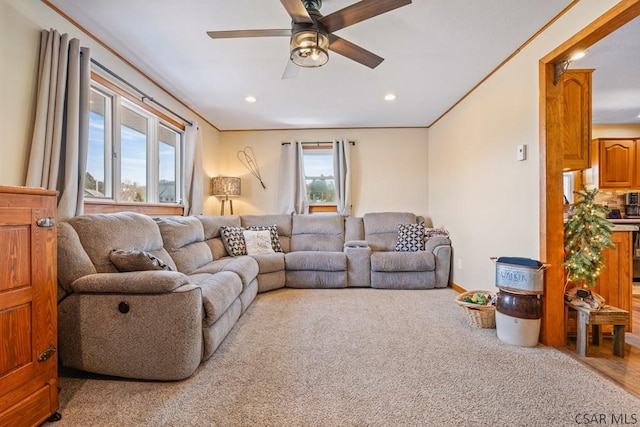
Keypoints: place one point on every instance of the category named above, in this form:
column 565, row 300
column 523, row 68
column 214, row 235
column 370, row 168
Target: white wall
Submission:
column 388, row 166
column 20, row 25
column 487, row 199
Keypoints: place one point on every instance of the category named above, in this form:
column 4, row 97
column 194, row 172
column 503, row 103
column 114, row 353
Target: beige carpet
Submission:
column 357, row 357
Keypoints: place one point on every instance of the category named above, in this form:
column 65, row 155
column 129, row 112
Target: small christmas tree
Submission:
column 586, row 234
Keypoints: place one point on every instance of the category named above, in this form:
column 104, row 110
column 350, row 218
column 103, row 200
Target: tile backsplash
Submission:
column 612, row 198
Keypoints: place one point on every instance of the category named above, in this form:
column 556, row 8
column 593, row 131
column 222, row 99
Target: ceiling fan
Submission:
column 312, row 34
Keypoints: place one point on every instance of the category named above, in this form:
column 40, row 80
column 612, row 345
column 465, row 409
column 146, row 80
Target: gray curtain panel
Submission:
column 60, row 140
column 194, row 174
column 342, row 175
column 292, row 190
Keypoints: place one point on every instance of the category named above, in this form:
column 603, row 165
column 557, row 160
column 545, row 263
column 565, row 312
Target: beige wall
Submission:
column 20, row 25
column 615, row 131
column 487, row 199
column 388, row 167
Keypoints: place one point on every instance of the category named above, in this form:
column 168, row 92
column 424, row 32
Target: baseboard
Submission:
column 457, row 288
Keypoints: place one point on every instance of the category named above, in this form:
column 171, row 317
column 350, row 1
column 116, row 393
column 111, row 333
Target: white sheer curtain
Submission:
column 60, row 139
column 193, row 174
column 292, row 190
column 342, row 175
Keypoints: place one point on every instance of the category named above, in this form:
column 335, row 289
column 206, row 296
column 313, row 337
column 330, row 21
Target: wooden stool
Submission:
column 608, row 315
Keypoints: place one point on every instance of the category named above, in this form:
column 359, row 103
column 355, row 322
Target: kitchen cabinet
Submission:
column 576, row 118
column 28, row 306
column 615, row 282
column 617, row 163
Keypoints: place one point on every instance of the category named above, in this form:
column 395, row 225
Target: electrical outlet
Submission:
column 459, row 263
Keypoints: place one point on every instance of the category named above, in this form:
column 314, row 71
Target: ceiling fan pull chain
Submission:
column 248, row 159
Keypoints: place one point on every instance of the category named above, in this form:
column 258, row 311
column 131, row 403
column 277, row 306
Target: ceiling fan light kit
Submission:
column 309, row 48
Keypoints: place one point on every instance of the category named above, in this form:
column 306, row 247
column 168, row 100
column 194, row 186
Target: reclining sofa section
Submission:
column 151, row 298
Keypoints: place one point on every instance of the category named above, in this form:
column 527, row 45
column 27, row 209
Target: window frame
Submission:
column 320, row 207
column 111, row 202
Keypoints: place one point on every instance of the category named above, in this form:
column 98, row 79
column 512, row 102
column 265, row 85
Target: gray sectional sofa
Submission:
column 151, row 298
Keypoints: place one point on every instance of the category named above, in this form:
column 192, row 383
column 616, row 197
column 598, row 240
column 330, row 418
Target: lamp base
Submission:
column 230, row 206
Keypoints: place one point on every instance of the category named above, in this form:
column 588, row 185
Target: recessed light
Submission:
column 251, row 98
column 389, row 97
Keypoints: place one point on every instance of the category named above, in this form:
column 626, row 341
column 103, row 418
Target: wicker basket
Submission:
column 482, row 316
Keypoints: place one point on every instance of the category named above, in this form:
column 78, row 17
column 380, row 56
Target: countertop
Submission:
column 625, row 227
column 626, row 224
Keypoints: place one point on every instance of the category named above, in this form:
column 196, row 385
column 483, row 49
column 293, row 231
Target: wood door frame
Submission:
column 551, row 165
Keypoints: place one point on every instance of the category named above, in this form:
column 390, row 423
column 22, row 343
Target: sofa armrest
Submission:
column 434, row 242
column 441, row 248
column 356, row 244
column 138, row 282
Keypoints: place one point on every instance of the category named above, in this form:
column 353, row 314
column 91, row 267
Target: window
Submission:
column 318, row 169
column 135, row 152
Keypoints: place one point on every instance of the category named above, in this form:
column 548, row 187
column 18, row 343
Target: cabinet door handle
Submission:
column 46, row 222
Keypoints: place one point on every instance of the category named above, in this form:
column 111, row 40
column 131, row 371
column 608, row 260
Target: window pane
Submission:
column 318, row 170
column 95, row 176
column 320, row 190
column 169, row 142
column 133, row 158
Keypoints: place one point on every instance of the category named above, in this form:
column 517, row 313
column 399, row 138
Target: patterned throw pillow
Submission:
column 410, row 237
column 275, row 238
column 131, row 260
column 258, row 242
column 233, row 240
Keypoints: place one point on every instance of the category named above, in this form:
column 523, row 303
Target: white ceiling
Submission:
column 435, row 51
column 616, row 79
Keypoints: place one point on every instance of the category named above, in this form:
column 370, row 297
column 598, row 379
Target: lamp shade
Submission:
column 225, row 186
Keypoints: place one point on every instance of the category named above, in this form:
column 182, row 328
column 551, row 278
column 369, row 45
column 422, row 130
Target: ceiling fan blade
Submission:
column 297, row 11
column 353, row 51
column 290, row 71
column 248, row 33
column 360, row 11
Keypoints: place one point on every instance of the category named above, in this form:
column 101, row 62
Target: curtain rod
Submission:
column 144, row 95
column 317, row 143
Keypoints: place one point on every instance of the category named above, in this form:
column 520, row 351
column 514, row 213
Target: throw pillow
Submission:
column 410, row 237
column 258, row 242
column 131, row 260
column 435, row 232
column 275, row 238
column 233, row 240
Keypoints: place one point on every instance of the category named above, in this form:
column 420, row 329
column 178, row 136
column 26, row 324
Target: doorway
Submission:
column 551, row 155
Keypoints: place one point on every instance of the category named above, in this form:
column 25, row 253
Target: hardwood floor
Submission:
column 623, row 371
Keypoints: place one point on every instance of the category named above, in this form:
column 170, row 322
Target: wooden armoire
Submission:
column 28, row 306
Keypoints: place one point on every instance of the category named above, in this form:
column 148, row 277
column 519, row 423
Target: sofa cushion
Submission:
column 410, row 237
column 184, row 240
column 269, row 263
column 101, row 233
column 219, row 291
column 317, row 233
column 402, row 261
column 131, row 260
column 317, row 261
column 233, row 240
column 258, row 242
column 381, row 228
column 244, row 266
column 211, row 225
